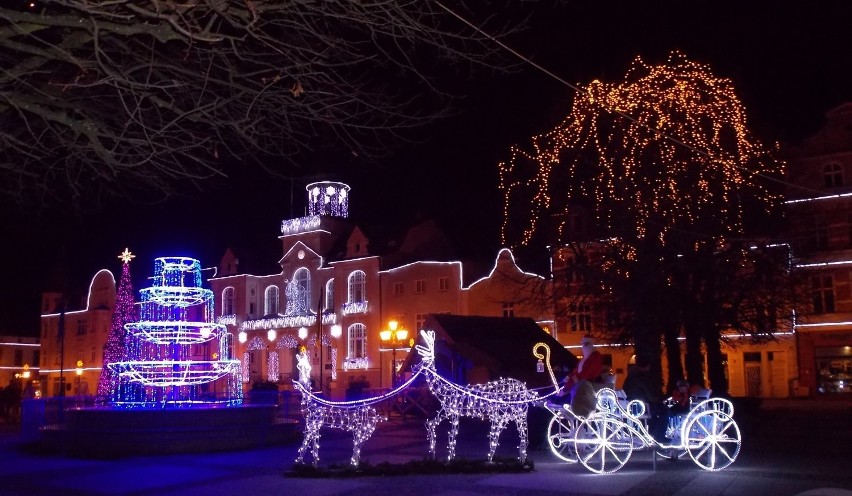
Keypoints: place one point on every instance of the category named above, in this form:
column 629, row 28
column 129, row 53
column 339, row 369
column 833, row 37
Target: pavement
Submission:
column 789, row 448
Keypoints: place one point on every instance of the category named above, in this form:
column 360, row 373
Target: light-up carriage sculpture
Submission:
column 168, row 360
column 604, row 440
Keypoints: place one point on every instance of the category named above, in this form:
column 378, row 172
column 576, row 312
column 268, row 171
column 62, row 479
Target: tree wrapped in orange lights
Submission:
column 644, row 172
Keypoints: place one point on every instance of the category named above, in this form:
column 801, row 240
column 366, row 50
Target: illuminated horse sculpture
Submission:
column 357, row 417
column 500, row 401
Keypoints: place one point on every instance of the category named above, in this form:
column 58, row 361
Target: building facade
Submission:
column 819, row 213
column 758, row 369
column 73, row 338
column 338, row 289
column 19, row 362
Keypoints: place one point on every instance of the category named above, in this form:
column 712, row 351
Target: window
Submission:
column 397, row 289
column 823, row 294
column 419, row 286
column 444, row 284
column 357, row 287
column 357, row 341
column 329, row 295
column 508, row 309
column 270, row 300
column 19, row 358
column 228, row 301
column 580, row 317
column 94, row 354
column 421, row 321
column 82, row 327
column 833, row 175
column 299, row 293
column 228, row 345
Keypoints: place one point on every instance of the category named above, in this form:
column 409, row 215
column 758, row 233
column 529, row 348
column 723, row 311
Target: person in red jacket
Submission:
column 589, row 369
column 679, row 400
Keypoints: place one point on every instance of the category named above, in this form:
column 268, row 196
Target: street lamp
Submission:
column 394, row 336
column 79, row 372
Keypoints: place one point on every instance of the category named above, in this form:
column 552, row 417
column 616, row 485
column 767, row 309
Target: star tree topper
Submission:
column 126, row 256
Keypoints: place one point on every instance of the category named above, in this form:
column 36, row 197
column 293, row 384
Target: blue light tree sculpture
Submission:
column 175, row 355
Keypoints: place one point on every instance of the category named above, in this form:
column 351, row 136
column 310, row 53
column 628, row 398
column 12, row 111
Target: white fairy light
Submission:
column 501, row 402
column 158, row 365
column 336, row 331
column 358, row 418
column 279, row 322
column 356, row 363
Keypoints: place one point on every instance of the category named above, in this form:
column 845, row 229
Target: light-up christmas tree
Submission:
column 124, row 311
column 175, row 355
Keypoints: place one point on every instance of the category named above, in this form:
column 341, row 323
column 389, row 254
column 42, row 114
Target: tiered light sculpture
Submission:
column 175, row 355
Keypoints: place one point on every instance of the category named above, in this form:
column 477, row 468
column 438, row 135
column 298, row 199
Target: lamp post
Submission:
column 394, row 336
column 79, row 373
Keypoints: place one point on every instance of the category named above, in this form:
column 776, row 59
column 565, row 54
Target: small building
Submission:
column 477, row 349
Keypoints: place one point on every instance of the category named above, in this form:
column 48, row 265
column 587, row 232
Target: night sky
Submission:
column 790, row 63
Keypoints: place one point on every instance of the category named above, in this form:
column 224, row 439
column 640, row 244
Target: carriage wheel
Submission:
column 560, row 436
column 603, row 444
column 712, row 440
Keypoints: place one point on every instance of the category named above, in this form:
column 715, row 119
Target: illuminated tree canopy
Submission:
column 123, row 96
column 649, row 195
column 668, row 148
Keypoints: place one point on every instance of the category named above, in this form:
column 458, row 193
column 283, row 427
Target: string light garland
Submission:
column 124, row 311
column 359, row 418
column 501, row 402
column 159, row 367
column 618, row 155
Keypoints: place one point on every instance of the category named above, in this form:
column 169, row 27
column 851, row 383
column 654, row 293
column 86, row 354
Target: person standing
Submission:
column 639, row 385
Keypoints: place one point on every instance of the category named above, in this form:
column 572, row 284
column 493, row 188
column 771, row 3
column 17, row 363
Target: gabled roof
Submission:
column 502, row 345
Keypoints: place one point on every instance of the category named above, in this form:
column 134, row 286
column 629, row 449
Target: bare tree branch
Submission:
column 150, row 93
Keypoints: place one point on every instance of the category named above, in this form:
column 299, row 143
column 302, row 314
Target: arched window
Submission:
column 329, row 295
column 228, row 301
column 270, row 300
column 357, row 287
column 357, row 341
column 299, row 293
column 833, row 175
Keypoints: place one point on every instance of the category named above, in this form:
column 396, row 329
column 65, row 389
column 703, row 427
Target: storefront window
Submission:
column 835, row 369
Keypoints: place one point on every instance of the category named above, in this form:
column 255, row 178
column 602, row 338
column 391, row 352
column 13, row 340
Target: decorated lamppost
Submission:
column 79, row 372
column 396, row 338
